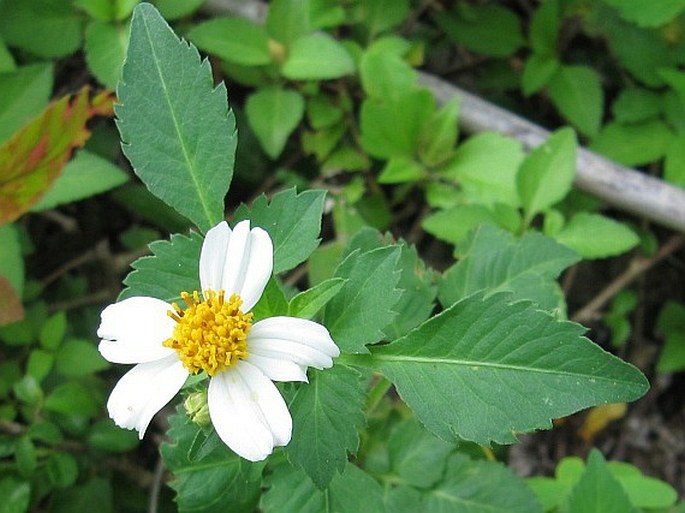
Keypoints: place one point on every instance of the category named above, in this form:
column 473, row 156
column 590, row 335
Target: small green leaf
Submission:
column 636, row 104
column 674, row 165
column 176, row 128
column 453, row 224
column 292, row 220
column 172, row 269
column 317, row 57
column 272, row 302
column 380, row 15
column 273, row 113
column 479, row 486
column 288, row 20
column 308, row 303
column 289, row 489
column 86, row 175
column 11, row 257
column 25, row 456
column 538, row 71
column 544, row 29
column 106, row 436
column 652, row 14
column 105, row 48
column 236, row 40
column 546, row 175
column 364, row 305
column 483, row 370
column 62, row 469
column 671, row 324
column 609, row 237
column 79, row 358
column 39, row 364
column 327, row 413
column 402, row 170
column 598, row 491
column 53, row 331
column 634, row 144
column 16, row 495
column 174, row 9
column 439, row 134
column 385, row 75
column 576, row 91
column 73, row 398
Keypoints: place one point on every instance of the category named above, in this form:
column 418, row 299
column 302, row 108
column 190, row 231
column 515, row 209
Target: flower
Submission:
column 215, row 333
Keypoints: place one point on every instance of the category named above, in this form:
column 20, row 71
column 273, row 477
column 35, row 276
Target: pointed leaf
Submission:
column 273, row 113
column 236, row 40
column 105, row 48
column 172, row 269
column 494, row 261
column 207, row 475
column 365, row 304
column 577, row 93
column 317, row 57
column 176, row 128
column 609, row 237
column 485, row 369
column 308, row 303
column 326, row 415
column 34, row 157
column 292, row 220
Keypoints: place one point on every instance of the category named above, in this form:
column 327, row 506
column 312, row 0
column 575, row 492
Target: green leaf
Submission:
column 137, row 199
column 391, row 128
column 416, row 456
column 365, row 304
column 452, row 225
column 24, row 93
column 326, row 413
column 402, row 170
column 634, row 144
column 598, row 491
column 671, row 325
column 651, row 14
column 102, row 10
column 172, row 269
column 15, row 495
column 385, row 75
column 479, row 486
column 538, row 71
column 11, row 258
column 53, row 330
column 292, row 220
column 272, row 303
column 79, row 358
column 484, row 370
column 352, row 492
column 493, row 261
column 544, row 29
column 7, row 64
column 489, row 29
column 105, row 48
column 273, row 113
column 176, row 128
column 174, row 9
column 55, row 21
column 208, row 477
column 73, row 398
column 80, row 498
column 576, row 91
column 62, row 469
column 317, row 57
column 546, row 175
column 609, row 237
column 25, row 456
column 236, row 40
column 39, row 364
column 288, row 20
column 380, row 15
column 674, row 165
column 86, row 175
column 106, row 436
column 308, row 303
column 485, row 166
column 439, row 134
column 636, row 104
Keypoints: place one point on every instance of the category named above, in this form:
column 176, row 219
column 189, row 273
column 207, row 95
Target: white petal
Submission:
column 248, row 412
column 144, row 390
column 259, row 268
column 236, row 259
column 301, row 341
column 133, row 330
column 213, row 256
column 278, row 369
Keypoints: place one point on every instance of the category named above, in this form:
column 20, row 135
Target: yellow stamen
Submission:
column 211, row 333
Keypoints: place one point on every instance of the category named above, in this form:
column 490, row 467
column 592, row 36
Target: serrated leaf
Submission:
column 577, row 93
column 176, row 127
column 212, row 478
column 307, row 304
column 365, row 304
column 486, row 369
column 327, row 413
column 236, row 40
column 172, row 269
column 546, row 175
column 292, row 220
column 86, row 175
column 317, row 56
column 598, row 491
column 492, row 260
column 273, row 113
column 33, row 158
column 105, row 48
column 479, row 486
column 24, row 93
column 352, row 492
column 609, row 237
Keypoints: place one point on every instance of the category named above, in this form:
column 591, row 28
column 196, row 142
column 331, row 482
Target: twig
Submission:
column 156, row 486
column 617, row 185
column 99, row 252
column 636, row 268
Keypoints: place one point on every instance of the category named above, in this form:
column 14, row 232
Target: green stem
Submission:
column 377, row 393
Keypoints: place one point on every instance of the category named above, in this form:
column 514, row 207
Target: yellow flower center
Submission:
column 211, row 333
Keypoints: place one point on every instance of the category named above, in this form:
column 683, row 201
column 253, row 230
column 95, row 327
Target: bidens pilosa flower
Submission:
column 214, row 332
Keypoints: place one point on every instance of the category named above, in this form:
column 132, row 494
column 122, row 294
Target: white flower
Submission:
column 215, row 334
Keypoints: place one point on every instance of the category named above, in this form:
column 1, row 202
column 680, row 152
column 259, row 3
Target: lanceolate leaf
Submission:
column 176, row 128
column 33, row 158
column 292, row 220
column 172, row 269
column 207, row 476
column 326, row 415
column 486, row 369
